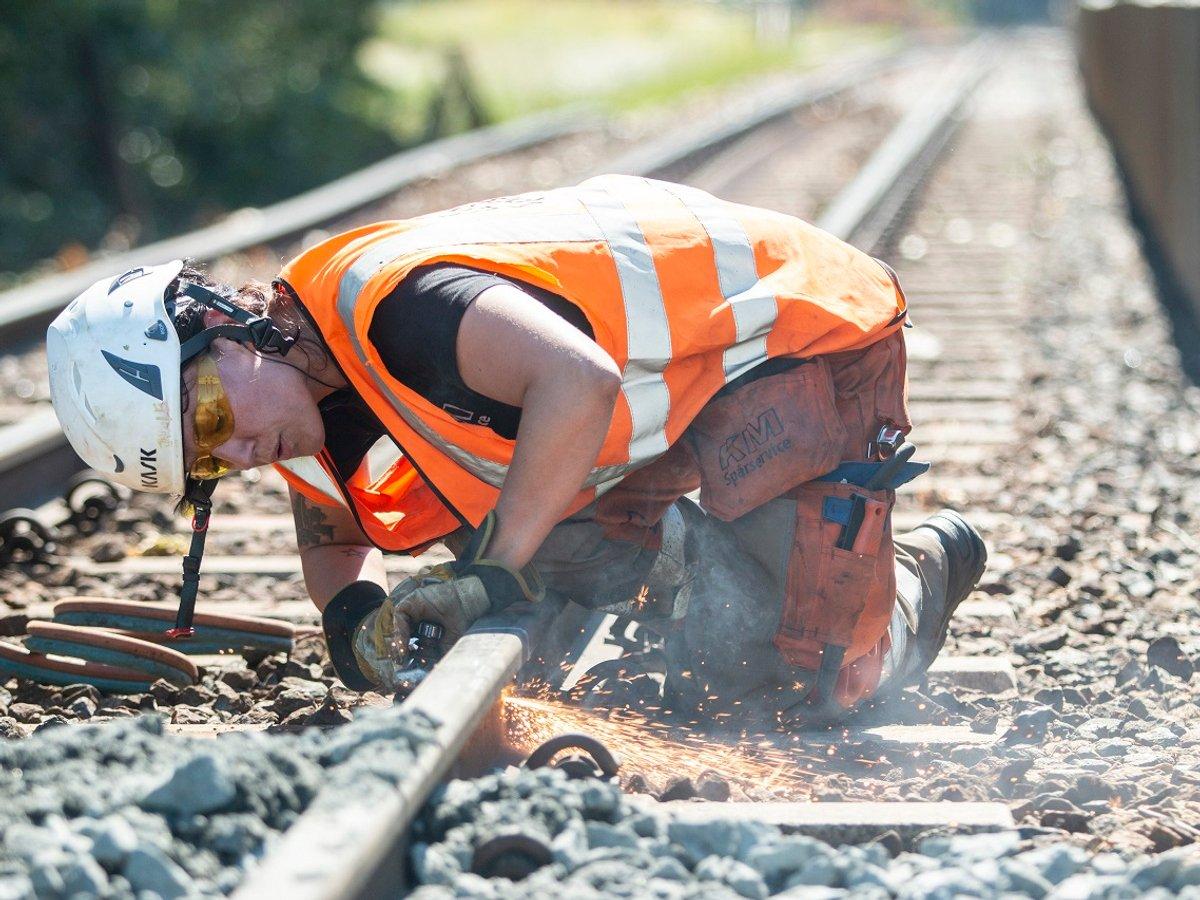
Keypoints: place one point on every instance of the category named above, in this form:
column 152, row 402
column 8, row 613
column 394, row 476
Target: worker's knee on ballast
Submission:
column 639, row 573
column 659, row 591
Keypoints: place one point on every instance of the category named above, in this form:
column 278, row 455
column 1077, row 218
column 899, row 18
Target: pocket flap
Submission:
column 860, row 473
column 837, row 509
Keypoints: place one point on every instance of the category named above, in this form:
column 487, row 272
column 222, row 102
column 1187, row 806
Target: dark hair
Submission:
column 256, row 297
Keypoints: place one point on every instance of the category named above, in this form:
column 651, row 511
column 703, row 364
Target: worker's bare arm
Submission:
column 333, row 550
column 513, row 349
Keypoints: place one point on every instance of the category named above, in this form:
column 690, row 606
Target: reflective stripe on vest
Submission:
column 648, row 332
column 754, row 308
column 308, row 469
column 380, row 457
column 313, row 474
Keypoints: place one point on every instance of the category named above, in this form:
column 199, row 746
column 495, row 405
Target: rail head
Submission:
column 713, row 132
column 28, row 439
column 916, row 140
column 355, row 847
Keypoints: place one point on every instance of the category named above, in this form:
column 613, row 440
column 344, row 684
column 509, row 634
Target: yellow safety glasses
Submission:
column 214, row 420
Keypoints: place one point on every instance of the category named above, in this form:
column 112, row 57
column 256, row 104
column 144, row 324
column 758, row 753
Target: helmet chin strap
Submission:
column 201, row 501
column 265, row 336
column 259, row 331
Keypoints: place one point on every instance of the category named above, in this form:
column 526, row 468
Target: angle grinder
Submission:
column 424, row 650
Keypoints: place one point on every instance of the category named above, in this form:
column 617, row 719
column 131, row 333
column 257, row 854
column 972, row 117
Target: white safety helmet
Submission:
column 114, row 379
column 115, row 369
column 115, row 362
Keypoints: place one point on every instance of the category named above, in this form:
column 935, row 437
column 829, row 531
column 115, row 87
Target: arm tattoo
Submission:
column 311, row 530
column 354, row 552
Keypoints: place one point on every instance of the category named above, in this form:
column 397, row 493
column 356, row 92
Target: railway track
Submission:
column 951, row 198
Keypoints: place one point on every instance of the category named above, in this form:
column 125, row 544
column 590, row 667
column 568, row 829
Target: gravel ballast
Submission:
column 121, row 809
column 603, row 845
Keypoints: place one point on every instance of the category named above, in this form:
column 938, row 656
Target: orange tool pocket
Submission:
column 838, row 596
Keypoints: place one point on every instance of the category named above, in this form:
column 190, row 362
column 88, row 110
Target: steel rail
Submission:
column 35, row 460
column 358, row 849
column 713, row 133
column 877, row 195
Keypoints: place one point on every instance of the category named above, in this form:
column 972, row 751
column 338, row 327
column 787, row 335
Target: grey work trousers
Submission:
column 720, row 654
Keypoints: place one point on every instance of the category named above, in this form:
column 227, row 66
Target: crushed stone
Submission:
column 122, row 809
column 603, row 845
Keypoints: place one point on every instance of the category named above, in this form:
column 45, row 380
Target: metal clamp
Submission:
column 884, row 445
column 91, row 499
column 511, row 856
column 596, row 760
column 24, row 538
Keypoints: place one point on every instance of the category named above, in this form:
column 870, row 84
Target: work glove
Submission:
column 452, row 595
column 368, row 631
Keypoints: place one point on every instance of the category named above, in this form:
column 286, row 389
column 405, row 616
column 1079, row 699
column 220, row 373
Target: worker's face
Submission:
column 274, row 415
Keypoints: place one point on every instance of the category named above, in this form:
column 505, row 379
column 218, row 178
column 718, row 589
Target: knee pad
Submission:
column 666, row 588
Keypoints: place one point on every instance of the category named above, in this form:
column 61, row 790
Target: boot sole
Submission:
column 978, row 556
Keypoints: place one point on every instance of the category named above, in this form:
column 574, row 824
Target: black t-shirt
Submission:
column 415, row 331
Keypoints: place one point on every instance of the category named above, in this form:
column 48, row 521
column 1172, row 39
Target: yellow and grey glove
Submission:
column 452, row 595
column 368, row 630
column 454, row 603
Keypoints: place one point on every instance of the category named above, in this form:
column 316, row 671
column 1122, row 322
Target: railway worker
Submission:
column 558, row 369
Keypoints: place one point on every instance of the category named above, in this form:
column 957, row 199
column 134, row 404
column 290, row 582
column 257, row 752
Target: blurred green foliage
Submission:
column 127, row 120
column 529, row 55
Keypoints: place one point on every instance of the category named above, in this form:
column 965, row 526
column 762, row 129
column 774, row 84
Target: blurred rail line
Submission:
column 35, row 304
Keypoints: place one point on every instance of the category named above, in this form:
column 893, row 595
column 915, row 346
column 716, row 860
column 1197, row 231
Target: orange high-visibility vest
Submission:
column 684, row 291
